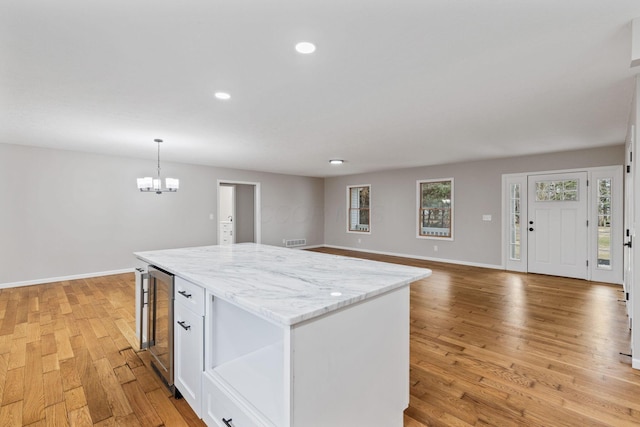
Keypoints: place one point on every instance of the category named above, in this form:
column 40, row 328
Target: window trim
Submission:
column 349, row 187
column 419, row 209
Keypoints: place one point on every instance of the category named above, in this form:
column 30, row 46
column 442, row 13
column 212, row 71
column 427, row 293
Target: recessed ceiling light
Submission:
column 336, row 161
column 222, row 95
column 305, row 47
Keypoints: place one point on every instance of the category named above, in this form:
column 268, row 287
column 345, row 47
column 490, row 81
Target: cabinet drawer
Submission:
column 218, row 405
column 190, row 295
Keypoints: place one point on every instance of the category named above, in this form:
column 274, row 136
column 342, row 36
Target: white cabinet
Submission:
column 189, row 342
column 346, row 368
column 226, row 233
column 244, row 368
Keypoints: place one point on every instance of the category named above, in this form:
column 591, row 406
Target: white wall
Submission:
column 65, row 213
column 477, row 192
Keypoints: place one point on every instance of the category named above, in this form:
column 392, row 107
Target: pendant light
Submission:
column 149, row 184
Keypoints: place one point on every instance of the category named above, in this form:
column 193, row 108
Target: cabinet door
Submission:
column 188, row 354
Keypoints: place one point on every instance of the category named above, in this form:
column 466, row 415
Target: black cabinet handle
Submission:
column 530, row 228
column 184, row 294
column 227, row 422
column 184, row 325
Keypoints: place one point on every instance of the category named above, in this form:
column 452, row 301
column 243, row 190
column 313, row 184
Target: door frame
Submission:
column 257, row 207
column 615, row 172
column 629, row 224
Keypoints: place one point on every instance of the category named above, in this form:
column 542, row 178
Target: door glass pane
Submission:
column 557, row 191
column 604, row 223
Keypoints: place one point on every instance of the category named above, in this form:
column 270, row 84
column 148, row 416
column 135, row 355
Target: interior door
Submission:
column 557, row 224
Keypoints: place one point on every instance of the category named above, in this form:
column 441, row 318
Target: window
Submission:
column 435, row 208
column 359, row 208
column 604, row 223
column 514, row 222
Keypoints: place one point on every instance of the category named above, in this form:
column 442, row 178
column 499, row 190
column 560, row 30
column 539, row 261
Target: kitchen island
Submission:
column 289, row 338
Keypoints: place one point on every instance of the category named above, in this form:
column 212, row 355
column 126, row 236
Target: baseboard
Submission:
column 63, row 278
column 129, row 270
column 443, row 260
column 308, row 247
column 635, row 363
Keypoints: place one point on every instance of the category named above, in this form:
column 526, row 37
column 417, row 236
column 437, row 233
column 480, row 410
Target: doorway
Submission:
column 238, row 212
column 565, row 223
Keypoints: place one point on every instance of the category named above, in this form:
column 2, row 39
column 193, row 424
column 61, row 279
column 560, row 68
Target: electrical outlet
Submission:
column 359, row 240
column 435, row 248
column 211, row 217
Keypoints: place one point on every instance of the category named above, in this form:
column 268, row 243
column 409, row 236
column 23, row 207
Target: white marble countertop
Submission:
column 286, row 286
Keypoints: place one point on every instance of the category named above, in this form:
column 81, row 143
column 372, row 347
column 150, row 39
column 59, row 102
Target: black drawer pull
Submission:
column 184, row 294
column 227, row 422
column 184, row 325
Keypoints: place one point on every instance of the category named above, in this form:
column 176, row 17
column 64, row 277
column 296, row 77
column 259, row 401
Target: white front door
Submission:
column 557, row 224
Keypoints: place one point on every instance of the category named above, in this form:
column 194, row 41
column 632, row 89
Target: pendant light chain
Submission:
column 158, row 141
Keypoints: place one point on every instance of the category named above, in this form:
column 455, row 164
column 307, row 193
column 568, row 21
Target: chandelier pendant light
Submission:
column 149, row 184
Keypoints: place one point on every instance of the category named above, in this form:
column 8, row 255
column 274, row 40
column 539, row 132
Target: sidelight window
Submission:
column 514, row 222
column 604, row 223
column 435, row 208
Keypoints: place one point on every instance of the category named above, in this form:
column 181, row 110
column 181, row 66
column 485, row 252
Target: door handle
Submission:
column 228, row 422
column 143, row 277
column 184, row 294
column 531, row 222
column 184, row 325
column 628, row 244
column 530, row 228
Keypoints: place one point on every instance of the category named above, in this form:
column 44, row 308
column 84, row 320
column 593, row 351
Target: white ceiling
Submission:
column 393, row 83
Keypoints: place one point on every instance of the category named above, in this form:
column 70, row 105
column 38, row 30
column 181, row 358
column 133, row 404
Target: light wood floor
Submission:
column 67, row 358
column 487, row 348
column 502, row 349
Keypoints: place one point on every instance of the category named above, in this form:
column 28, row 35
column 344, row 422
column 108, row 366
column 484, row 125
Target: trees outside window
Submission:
column 435, row 208
column 359, row 202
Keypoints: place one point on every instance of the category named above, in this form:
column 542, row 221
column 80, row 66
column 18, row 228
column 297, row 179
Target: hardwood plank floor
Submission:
column 487, row 348
column 67, row 358
column 490, row 347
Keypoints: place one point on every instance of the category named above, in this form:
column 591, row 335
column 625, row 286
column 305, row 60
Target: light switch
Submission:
column 486, row 217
